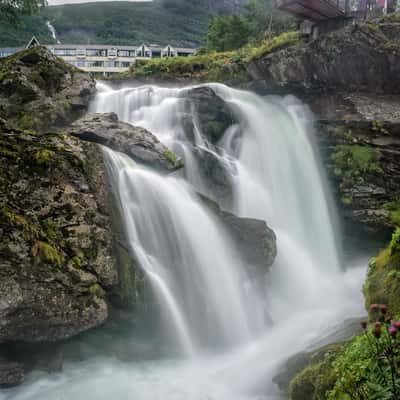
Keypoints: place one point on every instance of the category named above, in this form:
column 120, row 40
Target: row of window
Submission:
column 80, row 52
column 106, row 64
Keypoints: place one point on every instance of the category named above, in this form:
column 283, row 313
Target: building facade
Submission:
column 104, row 59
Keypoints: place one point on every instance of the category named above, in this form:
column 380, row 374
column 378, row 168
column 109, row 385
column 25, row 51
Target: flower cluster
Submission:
column 384, row 336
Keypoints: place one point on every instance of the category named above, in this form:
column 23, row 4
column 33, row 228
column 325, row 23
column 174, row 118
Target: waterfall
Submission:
column 215, row 318
column 52, row 31
column 193, row 267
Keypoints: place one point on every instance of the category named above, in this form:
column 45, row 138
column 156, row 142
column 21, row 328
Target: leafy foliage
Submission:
column 227, row 33
column 261, row 21
column 11, row 9
column 368, row 368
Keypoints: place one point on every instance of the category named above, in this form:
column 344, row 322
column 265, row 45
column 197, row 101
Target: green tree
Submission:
column 263, row 18
column 227, row 33
column 10, row 10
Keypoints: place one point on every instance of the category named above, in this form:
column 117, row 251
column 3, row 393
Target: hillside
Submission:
column 178, row 22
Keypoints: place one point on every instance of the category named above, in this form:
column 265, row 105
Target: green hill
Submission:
column 178, row 22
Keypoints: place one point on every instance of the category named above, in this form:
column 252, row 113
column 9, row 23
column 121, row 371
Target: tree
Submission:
column 10, row 10
column 229, row 32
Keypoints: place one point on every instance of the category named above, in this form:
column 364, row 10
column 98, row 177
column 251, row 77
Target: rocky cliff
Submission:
column 359, row 58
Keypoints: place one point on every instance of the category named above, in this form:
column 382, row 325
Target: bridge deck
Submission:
column 314, row 10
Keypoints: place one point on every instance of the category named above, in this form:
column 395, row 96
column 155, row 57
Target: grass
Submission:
column 285, row 39
column 228, row 66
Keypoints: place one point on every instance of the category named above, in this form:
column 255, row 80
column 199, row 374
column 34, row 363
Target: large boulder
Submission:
column 255, row 239
column 212, row 114
column 39, row 90
column 55, row 250
column 138, row 143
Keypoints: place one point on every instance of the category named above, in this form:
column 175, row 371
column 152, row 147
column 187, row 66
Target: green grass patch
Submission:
column 285, row 39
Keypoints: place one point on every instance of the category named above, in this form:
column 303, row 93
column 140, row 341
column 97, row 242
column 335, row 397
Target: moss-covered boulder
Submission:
column 55, row 248
column 39, row 90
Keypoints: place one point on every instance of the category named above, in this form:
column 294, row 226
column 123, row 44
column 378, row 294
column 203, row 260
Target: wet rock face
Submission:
column 205, row 119
column 212, row 114
column 255, row 239
column 39, row 90
column 55, row 246
column 138, row 143
column 363, row 161
column 360, row 58
column 11, row 373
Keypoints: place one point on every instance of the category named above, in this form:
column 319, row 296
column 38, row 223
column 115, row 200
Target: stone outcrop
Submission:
column 363, row 160
column 55, row 249
column 360, row 58
column 39, row 90
column 138, row 143
column 255, row 239
column 213, row 115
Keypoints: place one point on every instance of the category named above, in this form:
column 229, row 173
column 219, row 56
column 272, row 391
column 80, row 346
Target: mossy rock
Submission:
column 382, row 285
column 315, row 380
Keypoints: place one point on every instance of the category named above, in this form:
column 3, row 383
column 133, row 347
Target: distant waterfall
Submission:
column 52, row 31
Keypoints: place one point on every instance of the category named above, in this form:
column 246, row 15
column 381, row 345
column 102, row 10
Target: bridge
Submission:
column 313, row 10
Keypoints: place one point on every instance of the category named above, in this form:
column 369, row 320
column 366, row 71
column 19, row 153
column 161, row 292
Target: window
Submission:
column 94, row 64
column 126, row 53
column 64, row 52
column 96, row 52
column 112, row 53
column 80, row 52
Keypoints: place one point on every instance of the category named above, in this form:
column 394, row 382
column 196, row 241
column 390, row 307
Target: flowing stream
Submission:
column 228, row 331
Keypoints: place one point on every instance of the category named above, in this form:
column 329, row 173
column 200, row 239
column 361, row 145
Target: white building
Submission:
column 104, row 59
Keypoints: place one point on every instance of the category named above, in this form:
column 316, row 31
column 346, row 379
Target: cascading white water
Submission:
column 198, row 276
column 194, row 269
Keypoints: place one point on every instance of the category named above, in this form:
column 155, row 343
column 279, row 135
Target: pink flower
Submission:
column 396, row 324
column 383, row 308
column 374, row 307
column 393, row 331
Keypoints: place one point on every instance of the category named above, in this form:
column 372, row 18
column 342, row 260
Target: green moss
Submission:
column 394, row 211
column 380, row 287
column 29, row 230
column 347, row 200
column 97, row 291
column 47, row 253
column 353, row 162
column 278, row 42
column 173, row 159
column 50, row 228
column 395, row 242
column 314, row 381
column 77, row 261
